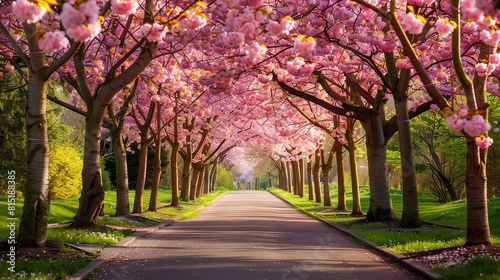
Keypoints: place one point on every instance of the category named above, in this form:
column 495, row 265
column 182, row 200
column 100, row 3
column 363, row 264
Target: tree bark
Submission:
column 316, row 178
column 341, row 204
column 325, row 169
column 143, row 161
column 194, row 181
column 478, row 229
column 33, row 225
column 352, row 146
column 410, row 217
column 206, row 180
column 153, row 201
column 120, row 155
column 92, row 195
column 174, row 170
column 141, row 177
column 310, row 183
column 380, row 208
column 298, row 188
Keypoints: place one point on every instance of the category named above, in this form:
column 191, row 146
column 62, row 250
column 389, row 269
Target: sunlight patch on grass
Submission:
column 97, row 236
column 43, row 268
column 480, row 268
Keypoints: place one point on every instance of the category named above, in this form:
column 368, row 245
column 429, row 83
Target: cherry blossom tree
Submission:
column 472, row 46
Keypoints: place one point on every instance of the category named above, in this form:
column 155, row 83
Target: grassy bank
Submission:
column 110, row 230
column 411, row 241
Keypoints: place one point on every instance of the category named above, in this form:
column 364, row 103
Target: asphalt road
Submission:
column 247, row 235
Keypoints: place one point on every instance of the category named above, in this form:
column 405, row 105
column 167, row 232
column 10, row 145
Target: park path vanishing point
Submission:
column 247, row 235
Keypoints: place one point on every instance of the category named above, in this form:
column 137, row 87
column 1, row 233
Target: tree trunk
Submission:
column 92, row 196
column 194, row 180
column 298, row 188
column 174, row 170
column 327, row 200
column 478, row 229
column 186, row 176
column 213, row 175
column 288, row 177
column 141, row 177
column 356, row 202
column 33, row 225
column 120, row 155
column 153, row 201
column 206, row 180
column 341, row 204
column 316, row 178
column 410, row 217
column 380, row 208
column 310, row 179
column 201, row 181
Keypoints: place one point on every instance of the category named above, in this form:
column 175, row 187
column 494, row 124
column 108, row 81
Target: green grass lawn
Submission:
column 63, row 211
column 411, row 241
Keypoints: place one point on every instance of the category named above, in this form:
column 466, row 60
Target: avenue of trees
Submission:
column 306, row 81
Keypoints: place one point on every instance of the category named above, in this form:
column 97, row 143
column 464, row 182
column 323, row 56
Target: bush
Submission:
column 65, row 169
column 225, row 179
column 106, row 180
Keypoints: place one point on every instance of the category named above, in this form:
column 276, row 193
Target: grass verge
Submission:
column 60, row 262
column 412, row 241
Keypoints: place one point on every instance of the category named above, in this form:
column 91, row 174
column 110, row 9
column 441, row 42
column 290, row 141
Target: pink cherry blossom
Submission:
column 463, row 112
column 256, row 51
column 153, row 33
column 476, row 126
column 234, row 39
column 193, row 20
column 53, row 41
column 482, row 69
column 454, row 123
column 444, row 28
column 124, row 7
column 81, row 22
column 83, row 33
column 282, row 28
column 304, row 45
column 483, row 142
column 412, row 24
column 28, row 12
column 489, row 37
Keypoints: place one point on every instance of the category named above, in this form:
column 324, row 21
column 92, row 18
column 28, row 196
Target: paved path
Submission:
column 247, row 235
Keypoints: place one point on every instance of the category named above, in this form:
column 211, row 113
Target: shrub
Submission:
column 65, row 169
column 225, row 179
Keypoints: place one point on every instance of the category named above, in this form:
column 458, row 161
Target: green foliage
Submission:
column 99, row 236
column 106, row 180
column 480, row 268
column 225, row 179
column 65, row 170
column 12, row 129
column 45, row 268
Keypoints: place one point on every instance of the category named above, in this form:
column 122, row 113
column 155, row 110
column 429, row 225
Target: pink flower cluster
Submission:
column 483, row 142
column 474, row 127
column 484, row 69
column 444, row 28
column 247, row 22
column 81, row 22
column 53, row 41
column 412, row 24
column 282, row 28
column 234, row 39
column 304, row 44
column 420, row 2
column 298, row 67
column 154, row 33
column 28, row 12
column 124, row 7
column 193, row 20
column 255, row 51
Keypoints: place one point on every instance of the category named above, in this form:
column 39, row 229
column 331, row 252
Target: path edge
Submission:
column 420, row 269
column 96, row 263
